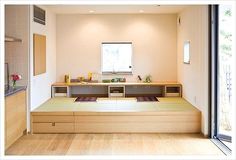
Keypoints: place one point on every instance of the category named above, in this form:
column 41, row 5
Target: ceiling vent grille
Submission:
column 39, row 15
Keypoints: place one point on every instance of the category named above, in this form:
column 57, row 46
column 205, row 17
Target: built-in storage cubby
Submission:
column 89, row 91
column 173, row 91
column 116, row 91
column 60, row 91
column 144, row 90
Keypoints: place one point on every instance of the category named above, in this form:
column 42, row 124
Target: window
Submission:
column 187, row 52
column 117, row 58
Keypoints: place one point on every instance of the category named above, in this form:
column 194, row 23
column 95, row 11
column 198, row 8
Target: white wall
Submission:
column 194, row 76
column 40, row 89
column 79, row 39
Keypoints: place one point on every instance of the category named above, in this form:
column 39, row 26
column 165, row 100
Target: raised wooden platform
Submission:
column 63, row 115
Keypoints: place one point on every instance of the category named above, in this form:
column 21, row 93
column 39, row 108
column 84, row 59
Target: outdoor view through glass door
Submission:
column 224, row 75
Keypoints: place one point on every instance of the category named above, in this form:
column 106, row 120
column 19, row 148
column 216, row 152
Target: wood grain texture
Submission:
column 52, row 118
column 138, row 124
column 131, row 127
column 173, row 85
column 66, row 113
column 54, row 127
column 138, row 113
column 117, row 123
column 127, row 94
column 137, row 119
column 114, row 144
column 120, row 83
column 39, row 54
column 169, row 115
column 15, row 117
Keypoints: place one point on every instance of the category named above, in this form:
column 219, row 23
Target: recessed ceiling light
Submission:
column 91, row 11
column 141, row 11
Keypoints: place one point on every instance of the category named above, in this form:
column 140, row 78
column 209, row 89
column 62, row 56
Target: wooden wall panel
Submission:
column 39, row 54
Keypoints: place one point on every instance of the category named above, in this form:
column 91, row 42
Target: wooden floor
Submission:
column 113, row 144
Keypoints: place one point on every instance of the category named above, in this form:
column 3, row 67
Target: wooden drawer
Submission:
column 53, row 127
column 63, row 119
column 137, row 119
column 141, row 127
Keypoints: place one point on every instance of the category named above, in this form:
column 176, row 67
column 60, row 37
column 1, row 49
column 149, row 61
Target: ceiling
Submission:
column 115, row 9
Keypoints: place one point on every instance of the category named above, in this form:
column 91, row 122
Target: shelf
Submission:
column 60, row 91
column 12, row 39
column 173, row 91
column 116, row 91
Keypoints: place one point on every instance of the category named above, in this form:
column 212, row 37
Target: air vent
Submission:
column 39, row 15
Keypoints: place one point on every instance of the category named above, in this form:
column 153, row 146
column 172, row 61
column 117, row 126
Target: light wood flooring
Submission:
column 113, row 144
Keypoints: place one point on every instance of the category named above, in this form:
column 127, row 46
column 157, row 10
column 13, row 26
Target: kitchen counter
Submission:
column 12, row 91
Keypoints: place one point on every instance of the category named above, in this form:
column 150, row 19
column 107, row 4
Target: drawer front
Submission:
column 63, row 119
column 168, row 127
column 53, row 127
column 137, row 119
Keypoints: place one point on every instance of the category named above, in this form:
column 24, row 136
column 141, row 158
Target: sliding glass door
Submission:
column 222, row 68
column 224, row 74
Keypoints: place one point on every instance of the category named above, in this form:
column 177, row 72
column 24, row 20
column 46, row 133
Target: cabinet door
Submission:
column 15, row 117
column 21, row 111
column 10, row 120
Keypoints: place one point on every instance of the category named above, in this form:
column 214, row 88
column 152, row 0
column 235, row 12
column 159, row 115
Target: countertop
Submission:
column 12, row 91
column 112, row 83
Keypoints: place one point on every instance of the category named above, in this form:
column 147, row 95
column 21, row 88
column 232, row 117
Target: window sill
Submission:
column 117, row 73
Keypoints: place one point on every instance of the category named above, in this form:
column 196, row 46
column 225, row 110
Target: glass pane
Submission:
column 225, row 72
column 187, row 52
column 116, row 57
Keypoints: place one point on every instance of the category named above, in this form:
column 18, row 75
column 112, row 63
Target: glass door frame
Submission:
column 214, row 66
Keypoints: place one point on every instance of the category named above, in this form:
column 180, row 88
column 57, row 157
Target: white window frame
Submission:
column 117, row 72
column 186, row 53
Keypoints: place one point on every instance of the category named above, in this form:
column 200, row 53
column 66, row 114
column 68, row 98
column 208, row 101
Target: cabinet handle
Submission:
column 53, row 123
